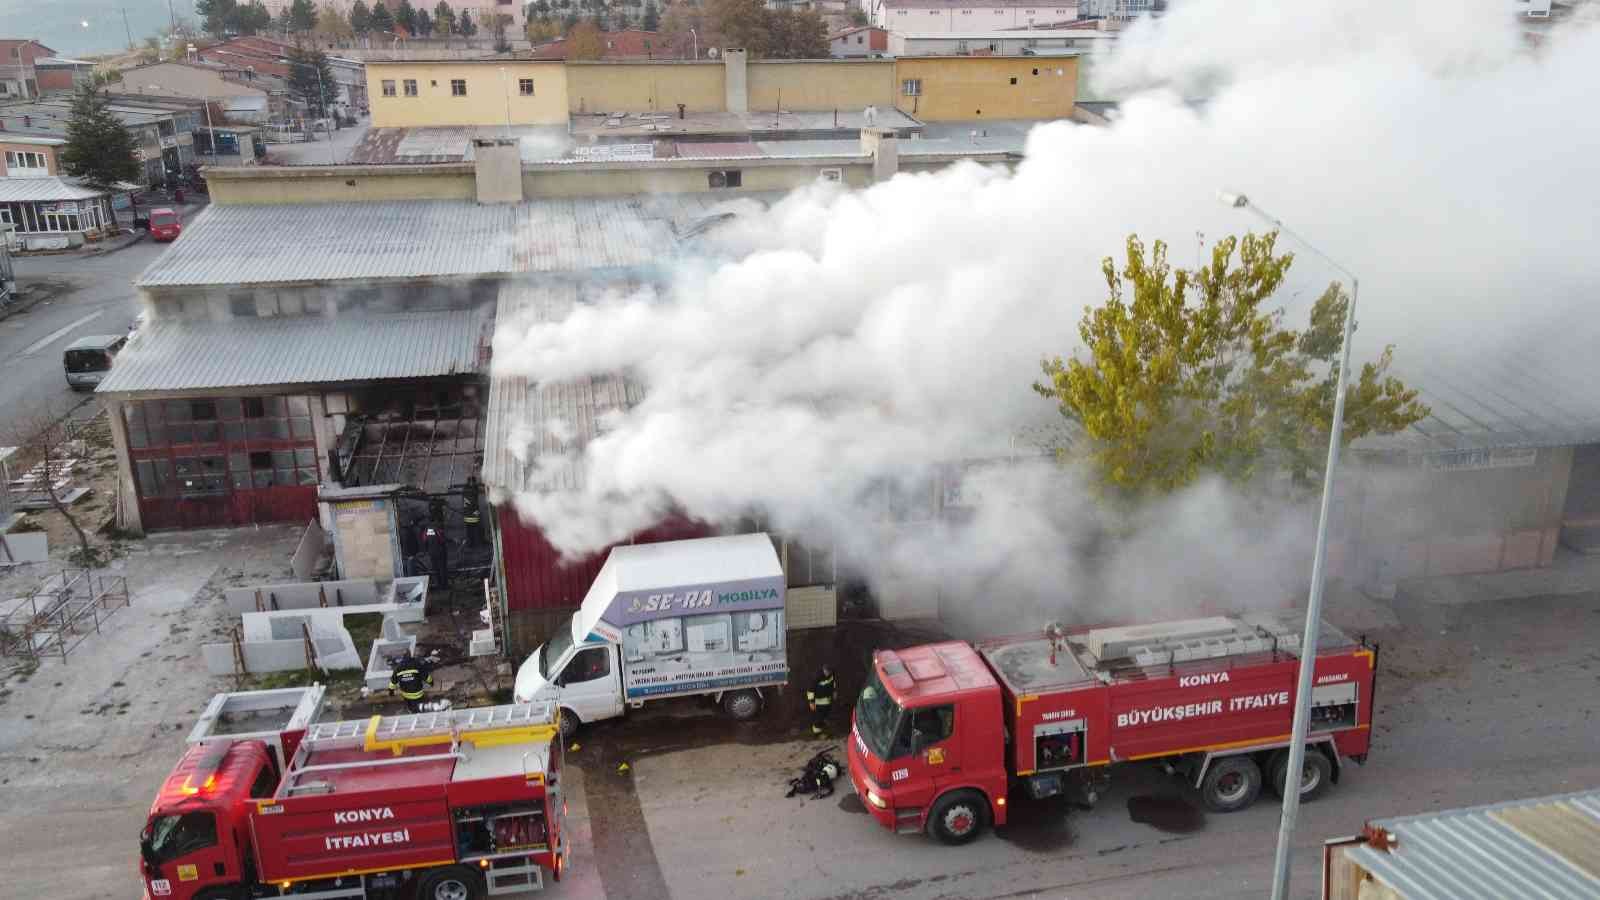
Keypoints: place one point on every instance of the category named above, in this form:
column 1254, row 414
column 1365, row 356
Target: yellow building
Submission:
column 971, row 88
column 929, row 88
column 657, row 86
column 418, row 93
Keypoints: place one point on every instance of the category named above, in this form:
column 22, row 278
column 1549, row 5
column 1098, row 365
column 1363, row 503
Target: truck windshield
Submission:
column 877, row 716
column 555, row 648
column 169, row 837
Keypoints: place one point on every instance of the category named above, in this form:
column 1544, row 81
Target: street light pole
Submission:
column 696, row 36
column 1308, row 642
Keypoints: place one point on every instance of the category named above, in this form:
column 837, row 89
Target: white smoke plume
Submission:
column 842, row 346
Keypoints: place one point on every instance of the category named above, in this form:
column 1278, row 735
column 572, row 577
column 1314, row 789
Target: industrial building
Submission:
column 500, row 93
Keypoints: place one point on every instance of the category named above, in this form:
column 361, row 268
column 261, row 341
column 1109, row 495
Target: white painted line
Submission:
column 58, row 334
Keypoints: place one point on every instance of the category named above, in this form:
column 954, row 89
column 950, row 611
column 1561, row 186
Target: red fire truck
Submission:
column 943, row 731
column 440, row 806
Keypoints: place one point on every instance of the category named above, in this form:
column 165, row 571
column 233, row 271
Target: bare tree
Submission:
column 43, row 435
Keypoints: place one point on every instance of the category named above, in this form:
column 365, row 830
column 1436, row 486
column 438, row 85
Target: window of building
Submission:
column 911, row 87
column 410, row 86
column 725, row 178
column 525, row 87
column 5, row 216
column 1013, row 79
column 858, row 39
column 388, row 87
column 458, row 87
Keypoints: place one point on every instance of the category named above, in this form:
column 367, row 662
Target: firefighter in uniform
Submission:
column 411, row 677
column 471, row 516
column 820, row 699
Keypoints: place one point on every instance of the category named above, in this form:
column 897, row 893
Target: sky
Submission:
column 85, row 27
column 847, row 338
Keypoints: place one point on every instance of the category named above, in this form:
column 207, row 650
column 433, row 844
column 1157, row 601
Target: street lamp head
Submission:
column 1237, row 201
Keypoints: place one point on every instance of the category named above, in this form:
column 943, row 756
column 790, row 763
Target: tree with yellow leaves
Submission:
column 1183, row 373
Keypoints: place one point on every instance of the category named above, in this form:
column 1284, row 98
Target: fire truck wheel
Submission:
column 1318, row 774
column 742, row 705
column 569, row 722
column 1231, row 784
column 958, row 816
column 450, row 883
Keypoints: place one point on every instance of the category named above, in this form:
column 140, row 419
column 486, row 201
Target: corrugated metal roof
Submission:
column 1547, row 847
column 1530, row 394
column 405, row 239
column 536, row 431
column 186, row 355
column 52, row 188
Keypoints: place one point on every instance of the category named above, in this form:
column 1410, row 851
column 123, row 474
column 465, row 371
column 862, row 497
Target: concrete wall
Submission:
column 341, row 184
column 1409, row 519
column 840, row 84
column 606, row 87
column 966, row 88
column 303, row 595
column 488, row 84
column 456, row 181
column 564, row 182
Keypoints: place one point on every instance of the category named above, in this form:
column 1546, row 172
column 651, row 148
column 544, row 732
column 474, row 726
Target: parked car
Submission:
column 88, row 359
column 164, row 224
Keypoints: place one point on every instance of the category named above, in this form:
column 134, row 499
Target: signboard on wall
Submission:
column 364, row 539
column 1475, row 460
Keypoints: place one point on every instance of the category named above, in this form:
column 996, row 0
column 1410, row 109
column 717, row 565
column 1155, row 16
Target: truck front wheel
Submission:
column 741, row 705
column 958, row 816
column 1231, row 784
column 568, row 722
column 1315, row 776
column 450, row 883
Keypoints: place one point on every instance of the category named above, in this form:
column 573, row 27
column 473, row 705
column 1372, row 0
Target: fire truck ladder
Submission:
column 485, row 726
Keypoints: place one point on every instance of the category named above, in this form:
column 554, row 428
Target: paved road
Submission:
column 84, row 295
column 1478, row 703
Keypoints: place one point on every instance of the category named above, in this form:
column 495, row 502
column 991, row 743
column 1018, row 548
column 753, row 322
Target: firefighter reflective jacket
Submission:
column 821, row 693
column 411, row 677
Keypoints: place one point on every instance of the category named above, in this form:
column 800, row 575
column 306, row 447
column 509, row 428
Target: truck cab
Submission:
column 584, row 678
column 927, row 743
column 198, row 834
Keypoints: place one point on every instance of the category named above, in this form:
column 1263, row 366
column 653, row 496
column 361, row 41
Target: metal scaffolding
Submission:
column 58, row 614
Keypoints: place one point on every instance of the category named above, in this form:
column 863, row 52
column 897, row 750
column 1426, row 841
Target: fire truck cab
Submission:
column 438, row 806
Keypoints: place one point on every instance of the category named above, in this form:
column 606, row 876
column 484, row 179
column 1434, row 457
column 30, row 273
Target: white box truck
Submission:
column 672, row 619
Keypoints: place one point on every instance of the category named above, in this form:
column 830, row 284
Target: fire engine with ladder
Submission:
column 943, row 732
column 268, row 802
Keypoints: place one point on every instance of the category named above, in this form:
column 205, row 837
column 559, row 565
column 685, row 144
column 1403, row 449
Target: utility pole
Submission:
column 172, row 21
column 126, row 28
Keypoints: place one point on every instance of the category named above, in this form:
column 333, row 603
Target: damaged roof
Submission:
column 409, row 239
column 536, row 430
column 193, row 355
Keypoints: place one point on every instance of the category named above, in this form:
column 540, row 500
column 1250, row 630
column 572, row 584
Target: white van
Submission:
column 673, row 619
column 88, row 359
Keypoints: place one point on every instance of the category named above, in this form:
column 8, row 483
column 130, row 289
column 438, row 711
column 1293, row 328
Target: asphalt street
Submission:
column 81, row 295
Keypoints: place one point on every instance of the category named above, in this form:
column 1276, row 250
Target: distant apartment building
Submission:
column 30, row 156
column 1000, row 43
column 923, row 16
column 19, row 78
column 629, row 43
column 865, row 40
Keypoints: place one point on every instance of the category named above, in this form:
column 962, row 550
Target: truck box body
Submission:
column 389, row 817
column 1122, row 710
column 685, row 617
